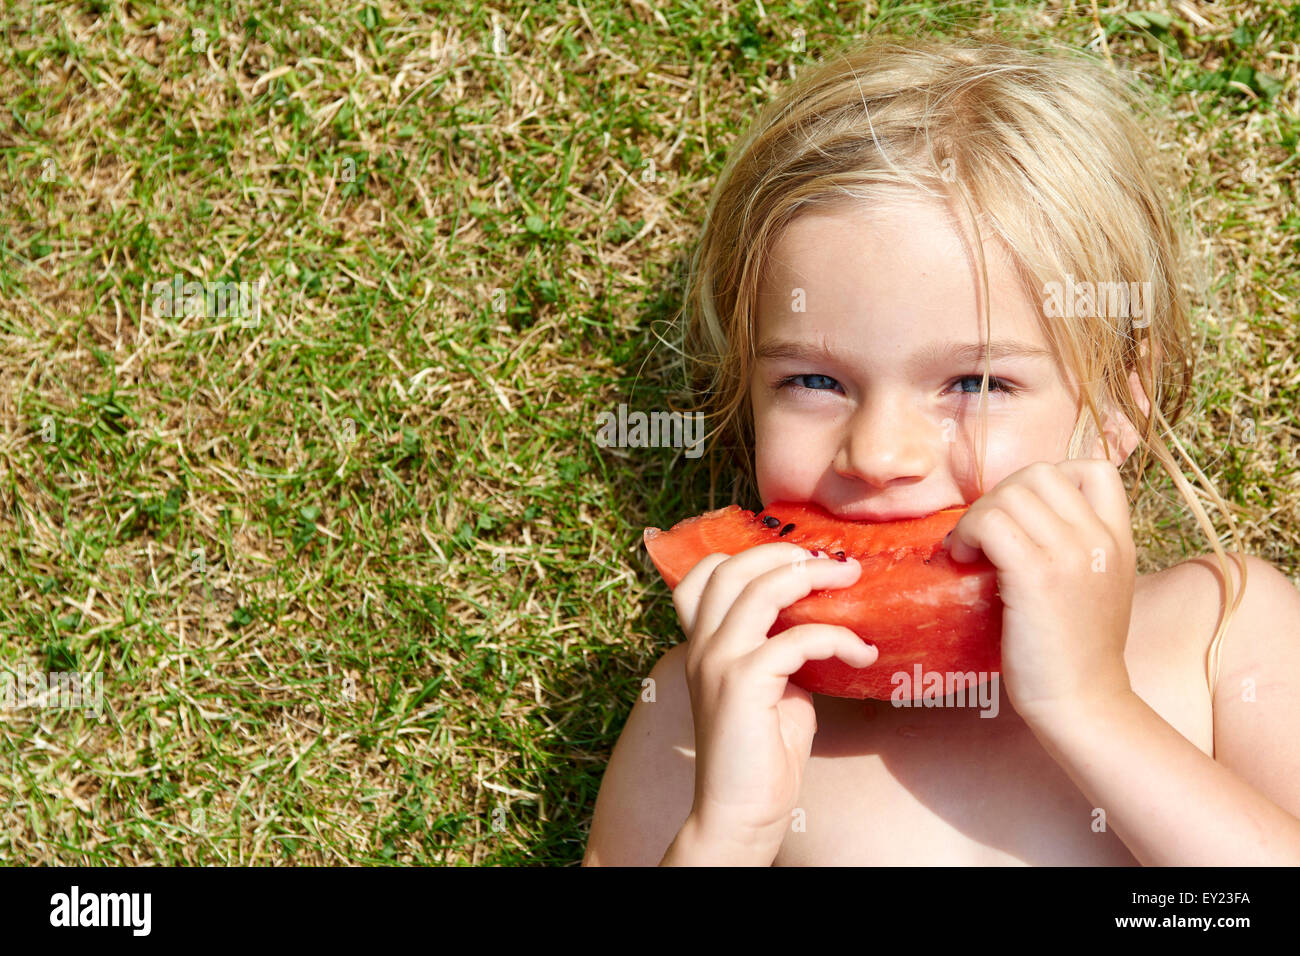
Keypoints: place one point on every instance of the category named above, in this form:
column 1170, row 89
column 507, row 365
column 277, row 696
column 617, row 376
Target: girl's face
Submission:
column 865, row 394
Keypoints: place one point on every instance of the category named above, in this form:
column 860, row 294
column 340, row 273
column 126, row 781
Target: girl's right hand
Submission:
column 754, row 729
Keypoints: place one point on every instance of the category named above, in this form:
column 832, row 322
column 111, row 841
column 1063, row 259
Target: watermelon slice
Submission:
column 913, row 602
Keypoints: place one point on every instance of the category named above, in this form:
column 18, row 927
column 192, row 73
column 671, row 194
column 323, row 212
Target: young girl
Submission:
column 938, row 274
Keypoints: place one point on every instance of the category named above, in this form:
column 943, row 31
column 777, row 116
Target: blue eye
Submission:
column 816, row 383
column 824, row 383
column 995, row 384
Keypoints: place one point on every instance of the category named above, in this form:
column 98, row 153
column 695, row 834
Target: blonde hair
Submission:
column 1043, row 149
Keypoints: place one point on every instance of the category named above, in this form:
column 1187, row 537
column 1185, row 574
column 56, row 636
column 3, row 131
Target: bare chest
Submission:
column 906, row 786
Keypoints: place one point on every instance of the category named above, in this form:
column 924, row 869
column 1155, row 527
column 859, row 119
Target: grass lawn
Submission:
column 362, row 586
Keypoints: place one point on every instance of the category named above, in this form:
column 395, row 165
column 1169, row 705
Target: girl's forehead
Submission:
column 898, row 272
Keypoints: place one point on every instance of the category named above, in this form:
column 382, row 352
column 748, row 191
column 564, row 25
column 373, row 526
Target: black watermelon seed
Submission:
column 771, row 522
column 786, row 530
column 839, row 556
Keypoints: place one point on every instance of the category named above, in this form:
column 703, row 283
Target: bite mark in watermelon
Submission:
column 912, row 601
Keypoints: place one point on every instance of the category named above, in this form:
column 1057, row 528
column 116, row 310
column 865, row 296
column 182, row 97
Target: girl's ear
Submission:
column 1119, row 431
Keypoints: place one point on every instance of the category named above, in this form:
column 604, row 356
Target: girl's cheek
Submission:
column 1008, row 452
column 789, row 459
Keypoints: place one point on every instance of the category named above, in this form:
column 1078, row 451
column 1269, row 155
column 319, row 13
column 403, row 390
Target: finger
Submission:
column 755, row 609
column 686, row 596
column 1061, row 494
column 1043, row 526
column 1101, row 484
column 994, row 533
column 733, row 576
column 767, row 669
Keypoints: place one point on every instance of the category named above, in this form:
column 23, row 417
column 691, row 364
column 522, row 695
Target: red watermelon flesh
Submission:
column 912, row 601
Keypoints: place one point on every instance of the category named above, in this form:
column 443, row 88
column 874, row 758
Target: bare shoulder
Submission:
column 649, row 786
column 1195, row 594
column 1204, row 575
column 1256, row 702
column 1268, row 598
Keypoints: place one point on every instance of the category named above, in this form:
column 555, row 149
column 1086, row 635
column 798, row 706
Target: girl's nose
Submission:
column 886, row 442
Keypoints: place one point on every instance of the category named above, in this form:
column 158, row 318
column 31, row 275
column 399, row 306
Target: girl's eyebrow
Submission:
column 785, row 349
column 932, row 354
column 974, row 351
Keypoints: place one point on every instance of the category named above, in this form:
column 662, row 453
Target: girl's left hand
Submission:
column 1061, row 540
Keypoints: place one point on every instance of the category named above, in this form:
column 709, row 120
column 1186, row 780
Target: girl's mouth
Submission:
column 895, row 514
